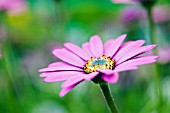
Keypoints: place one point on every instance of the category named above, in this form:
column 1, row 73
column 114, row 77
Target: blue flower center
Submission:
column 101, row 63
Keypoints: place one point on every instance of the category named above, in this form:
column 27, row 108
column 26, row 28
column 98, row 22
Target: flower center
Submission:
column 101, row 63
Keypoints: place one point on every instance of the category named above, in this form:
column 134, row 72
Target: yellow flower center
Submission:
column 101, row 63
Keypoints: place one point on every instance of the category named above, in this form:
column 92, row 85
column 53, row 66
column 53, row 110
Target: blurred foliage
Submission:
column 28, row 38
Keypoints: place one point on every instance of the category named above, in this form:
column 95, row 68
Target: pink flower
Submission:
column 161, row 14
column 12, row 6
column 130, row 14
column 96, row 59
column 134, row 1
column 164, row 54
column 124, row 1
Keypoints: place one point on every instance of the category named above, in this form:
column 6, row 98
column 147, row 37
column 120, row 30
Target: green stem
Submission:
column 151, row 26
column 156, row 65
column 108, row 97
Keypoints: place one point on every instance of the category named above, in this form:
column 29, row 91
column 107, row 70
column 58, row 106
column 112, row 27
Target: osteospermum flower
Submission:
column 161, row 14
column 96, row 60
column 130, row 14
column 134, row 1
column 13, row 6
column 124, row 1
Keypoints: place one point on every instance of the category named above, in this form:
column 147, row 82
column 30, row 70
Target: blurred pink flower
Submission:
column 124, row 1
column 144, row 2
column 161, row 14
column 164, row 54
column 130, row 14
column 12, row 6
column 96, row 60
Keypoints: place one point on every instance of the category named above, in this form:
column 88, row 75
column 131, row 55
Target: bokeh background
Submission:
column 30, row 29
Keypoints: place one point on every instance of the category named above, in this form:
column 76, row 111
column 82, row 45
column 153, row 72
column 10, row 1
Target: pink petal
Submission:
column 125, row 1
column 70, row 84
column 56, row 64
column 111, row 50
column 108, row 43
column 60, row 73
column 64, row 91
column 127, row 48
column 73, row 80
column 68, row 57
column 126, row 43
column 90, row 76
column 59, row 78
column 120, row 69
column 122, row 46
column 112, row 78
column 63, row 66
column 78, row 51
column 135, row 52
column 139, row 61
column 106, row 71
column 86, row 47
column 96, row 46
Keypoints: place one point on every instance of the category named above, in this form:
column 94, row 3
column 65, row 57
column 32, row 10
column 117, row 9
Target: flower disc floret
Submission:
column 101, row 63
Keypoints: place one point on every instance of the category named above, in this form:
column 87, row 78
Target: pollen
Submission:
column 101, row 63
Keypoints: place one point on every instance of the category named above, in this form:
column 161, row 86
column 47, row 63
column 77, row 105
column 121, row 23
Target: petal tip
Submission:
column 45, row 80
column 157, row 57
column 40, row 70
column 154, row 45
column 41, row 75
column 61, row 94
column 142, row 41
column 66, row 44
column 54, row 51
column 123, row 36
column 94, row 37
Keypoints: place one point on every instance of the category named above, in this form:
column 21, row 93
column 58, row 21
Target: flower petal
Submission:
column 139, row 61
column 78, row 51
column 90, row 76
column 68, row 57
column 106, row 71
column 64, row 91
column 111, row 50
column 60, row 73
column 108, row 43
column 57, row 79
column 96, row 46
column 135, row 52
column 126, row 43
column 86, row 47
column 73, row 80
column 112, row 78
column 61, row 66
column 55, row 64
column 127, row 48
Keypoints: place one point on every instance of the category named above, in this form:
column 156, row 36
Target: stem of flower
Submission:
column 151, row 26
column 156, row 65
column 108, row 97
